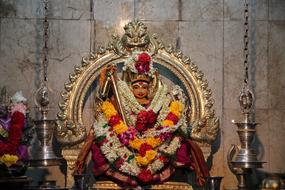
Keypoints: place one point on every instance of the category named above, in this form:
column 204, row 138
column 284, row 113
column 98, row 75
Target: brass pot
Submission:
column 274, row 181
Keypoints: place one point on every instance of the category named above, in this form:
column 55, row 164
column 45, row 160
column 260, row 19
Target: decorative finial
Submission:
column 135, row 35
column 42, row 97
column 246, row 99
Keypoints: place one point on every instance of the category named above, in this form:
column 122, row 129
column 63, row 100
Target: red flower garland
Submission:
column 144, row 147
column 145, row 176
column 114, row 120
column 143, row 63
column 151, row 118
column 173, row 118
column 145, row 120
column 13, row 141
column 119, row 162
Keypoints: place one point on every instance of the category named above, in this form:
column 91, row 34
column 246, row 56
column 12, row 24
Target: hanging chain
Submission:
column 245, row 41
column 46, row 37
column 246, row 97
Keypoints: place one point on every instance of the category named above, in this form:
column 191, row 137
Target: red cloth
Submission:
column 199, row 163
column 183, row 154
column 100, row 162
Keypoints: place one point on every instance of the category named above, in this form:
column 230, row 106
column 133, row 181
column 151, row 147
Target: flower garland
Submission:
column 9, row 146
column 113, row 149
column 132, row 107
column 9, row 159
column 145, row 143
column 143, row 63
column 146, row 157
column 131, row 101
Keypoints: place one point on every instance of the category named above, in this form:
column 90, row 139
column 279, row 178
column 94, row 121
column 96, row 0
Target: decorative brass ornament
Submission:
column 71, row 130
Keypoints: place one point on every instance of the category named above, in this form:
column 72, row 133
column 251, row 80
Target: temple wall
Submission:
column 209, row 31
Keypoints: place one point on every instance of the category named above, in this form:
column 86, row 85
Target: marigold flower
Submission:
column 177, row 113
column 150, row 155
column 142, row 160
column 136, row 143
column 145, row 160
column 167, row 123
column 120, row 128
column 108, row 109
column 176, row 108
column 154, row 142
column 8, row 159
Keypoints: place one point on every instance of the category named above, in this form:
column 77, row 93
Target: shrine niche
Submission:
column 151, row 102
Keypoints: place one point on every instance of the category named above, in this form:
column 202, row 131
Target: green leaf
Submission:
column 101, row 138
column 130, row 158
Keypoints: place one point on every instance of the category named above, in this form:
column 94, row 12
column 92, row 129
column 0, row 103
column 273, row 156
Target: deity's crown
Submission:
column 139, row 67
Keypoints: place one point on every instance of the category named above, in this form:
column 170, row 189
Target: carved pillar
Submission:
column 70, row 155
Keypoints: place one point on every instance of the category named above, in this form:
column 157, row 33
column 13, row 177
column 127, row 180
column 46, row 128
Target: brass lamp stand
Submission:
column 242, row 159
column 44, row 155
column 44, row 127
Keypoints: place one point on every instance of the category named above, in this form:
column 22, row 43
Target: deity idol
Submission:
column 141, row 134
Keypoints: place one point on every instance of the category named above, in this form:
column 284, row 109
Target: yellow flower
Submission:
column 136, row 143
column 142, row 160
column 108, row 109
column 168, row 123
column 176, row 108
column 8, row 159
column 154, row 142
column 120, row 128
column 150, row 155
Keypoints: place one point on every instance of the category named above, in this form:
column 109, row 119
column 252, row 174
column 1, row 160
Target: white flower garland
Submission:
column 178, row 93
column 114, row 149
column 132, row 102
column 131, row 105
column 130, row 168
column 155, row 166
column 171, row 147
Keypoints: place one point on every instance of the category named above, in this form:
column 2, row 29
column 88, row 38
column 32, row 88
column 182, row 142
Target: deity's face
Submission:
column 140, row 89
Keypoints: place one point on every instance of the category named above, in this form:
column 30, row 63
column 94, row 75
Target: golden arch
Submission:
column 71, row 130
